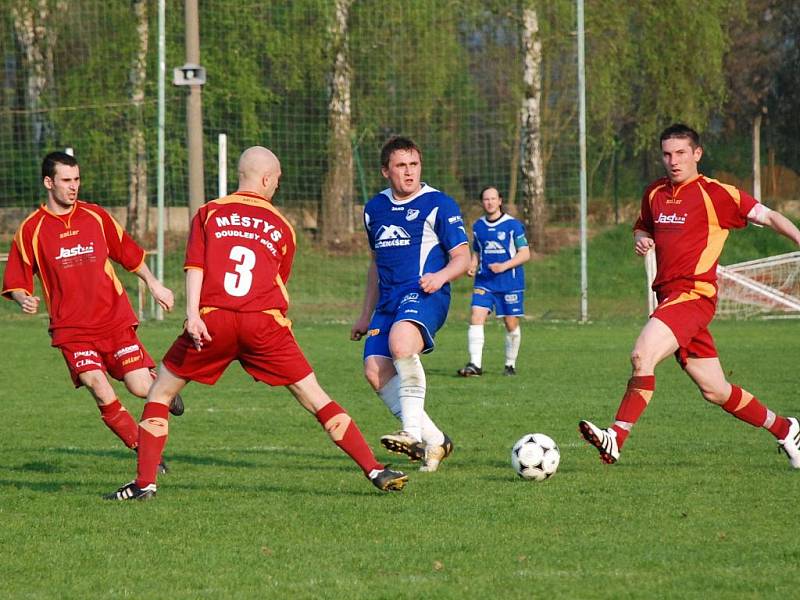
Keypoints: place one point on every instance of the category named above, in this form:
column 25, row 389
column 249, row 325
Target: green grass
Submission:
column 260, row 504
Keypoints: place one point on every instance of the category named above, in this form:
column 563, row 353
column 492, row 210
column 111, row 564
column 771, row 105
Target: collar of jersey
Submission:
column 424, row 189
column 251, row 195
column 497, row 221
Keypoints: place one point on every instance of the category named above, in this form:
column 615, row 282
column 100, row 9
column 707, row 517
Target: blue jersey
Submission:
column 410, row 238
column 498, row 241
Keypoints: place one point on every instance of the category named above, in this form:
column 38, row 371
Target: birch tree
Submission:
column 533, row 207
column 37, row 36
column 137, row 155
column 337, row 195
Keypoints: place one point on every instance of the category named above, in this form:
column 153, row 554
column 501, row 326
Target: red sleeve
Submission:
column 645, row 220
column 20, row 269
column 121, row 247
column 731, row 205
column 196, row 245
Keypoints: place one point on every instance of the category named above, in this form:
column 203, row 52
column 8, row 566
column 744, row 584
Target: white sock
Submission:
column 411, row 390
column 390, row 394
column 513, row 339
column 475, row 344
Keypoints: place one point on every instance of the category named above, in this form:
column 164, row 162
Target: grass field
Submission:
column 259, row 503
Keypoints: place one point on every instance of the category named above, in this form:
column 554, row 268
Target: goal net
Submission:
column 767, row 288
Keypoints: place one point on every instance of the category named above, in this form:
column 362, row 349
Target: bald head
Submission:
column 259, row 171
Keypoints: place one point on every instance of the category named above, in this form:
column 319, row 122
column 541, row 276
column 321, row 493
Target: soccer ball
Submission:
column 535, row 456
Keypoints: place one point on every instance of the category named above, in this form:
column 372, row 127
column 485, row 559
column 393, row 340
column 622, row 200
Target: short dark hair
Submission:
column 56, row 158
column 490, row 187
column 397, row 143
column 681, row 131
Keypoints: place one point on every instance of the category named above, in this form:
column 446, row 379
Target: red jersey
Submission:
column 245, row 248
column 72, row 256
column 689, row 224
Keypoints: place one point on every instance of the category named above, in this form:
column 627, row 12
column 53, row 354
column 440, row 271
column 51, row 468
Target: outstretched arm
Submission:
column 160, row 292
column 775, row 220
column 370, row 301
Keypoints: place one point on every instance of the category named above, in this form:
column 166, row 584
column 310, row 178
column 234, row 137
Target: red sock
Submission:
column 637, row 396
column 153, row 430
column 746, row 407
column 345, row 434
column 119, row 420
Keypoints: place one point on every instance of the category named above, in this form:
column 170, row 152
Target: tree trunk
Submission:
column 36, row 38
column 533, row 207
column 336, row 219
column 515, row 166
column 137, row 152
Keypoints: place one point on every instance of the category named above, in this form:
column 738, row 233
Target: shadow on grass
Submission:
column 37, row 467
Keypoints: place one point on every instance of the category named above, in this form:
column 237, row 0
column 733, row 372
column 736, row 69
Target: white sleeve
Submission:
column 758, row 214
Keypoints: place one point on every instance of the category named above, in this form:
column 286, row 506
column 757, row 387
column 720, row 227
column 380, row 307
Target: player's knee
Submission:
column 138, row 388
column 714, row 395
column 641, row 362
column 373, row 376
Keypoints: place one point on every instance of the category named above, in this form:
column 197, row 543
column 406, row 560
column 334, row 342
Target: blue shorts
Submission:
column 504, row 304
column 428, row 311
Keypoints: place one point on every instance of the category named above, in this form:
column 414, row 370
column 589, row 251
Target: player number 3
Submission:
column 238, row 283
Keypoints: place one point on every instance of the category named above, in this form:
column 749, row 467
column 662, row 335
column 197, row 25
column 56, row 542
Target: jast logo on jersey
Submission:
column 492, row 247
column 412, row 214
column 673, row 219
column 260, row 225
column 392, row 235
column 76, row 250
column 126, row 350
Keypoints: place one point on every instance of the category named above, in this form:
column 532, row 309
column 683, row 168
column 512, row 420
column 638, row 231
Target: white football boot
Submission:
column 791, row 443
column 605, row 440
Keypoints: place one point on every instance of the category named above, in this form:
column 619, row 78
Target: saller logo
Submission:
column 392, row 235
column 673, row 218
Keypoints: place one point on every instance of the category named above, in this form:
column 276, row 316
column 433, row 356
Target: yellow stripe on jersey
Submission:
column 700, row 289
column 716, row 238
column 112, row 275
column 653, row 193
column 18, row 237
column 35, row 244
column 732, row 190
column 99, row 220
column 279, row 318
column 282, row 287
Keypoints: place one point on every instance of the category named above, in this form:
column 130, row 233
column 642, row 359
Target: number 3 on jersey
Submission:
column 239, row 283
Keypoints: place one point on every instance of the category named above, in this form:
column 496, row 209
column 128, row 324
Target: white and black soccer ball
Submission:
column 535, row 456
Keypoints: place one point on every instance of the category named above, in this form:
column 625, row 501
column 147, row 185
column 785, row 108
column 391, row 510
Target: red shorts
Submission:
column 116, row 354
column 688, row 315
column 263, row 343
